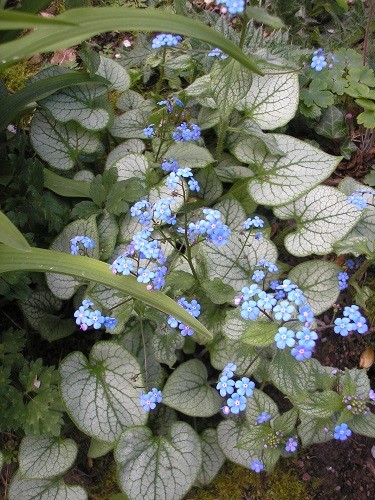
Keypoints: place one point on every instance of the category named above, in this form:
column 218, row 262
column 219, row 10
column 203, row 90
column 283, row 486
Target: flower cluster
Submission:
column 217, row 53
column 253, row 222
column 352, row 321
column 343, row 278
column 85, row 242
column 226, row 386
column 286, row 304
column 149, row 131
column 320, row 60
column 257, row 466
column 177, row 174
column 193, row 308
column 169, row 103
column 211, row 229
column 342, row 432
column 148, row 401
column 165, row 40
column 356, row 405
column 185, row 132
column 86, row 316
column 233, row 6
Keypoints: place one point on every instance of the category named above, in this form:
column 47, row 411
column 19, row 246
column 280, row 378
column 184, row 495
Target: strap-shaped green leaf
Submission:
column 280, row 180
column 187, row 391
column 43, row 489
column 41, row 458
column 39, row 260
column 90, row 22
column 159, row 467
column 11, row 236
column 99, row 393
column 10, row 20
column 66, row 187
column 323, row 217
column 40, row 89
column 318, row 281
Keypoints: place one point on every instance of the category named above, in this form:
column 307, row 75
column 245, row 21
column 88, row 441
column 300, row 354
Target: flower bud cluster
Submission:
column 84, row 241
column 211, row 229
column 237, row 390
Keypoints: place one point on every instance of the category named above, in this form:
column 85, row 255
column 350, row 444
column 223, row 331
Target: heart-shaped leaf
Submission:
column 159, row 467
column 213, row 457
column 42, row 458
column 188, row 154
column 43, row 489
column 131, row 165
column 230, row 433
column 313, row 430
column 323, row 217
column 226, row 351
column 272, row 100
column 187, row 391
column 99, row 393
column 113, row 71
column 318, row 281
column 60, row 144
column 280, row 180
column 126, row 147
column 259, row 403
column 62, row 286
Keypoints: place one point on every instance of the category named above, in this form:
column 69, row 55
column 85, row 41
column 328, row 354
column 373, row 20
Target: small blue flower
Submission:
column 371, row 395
column 147, row 401
column 307, row 338
column 149, row 131
column 352, row 312
column 245, row 387
column 283, row 311
column 266, row 301
column 257, row 466
column 291, row 445
column 253, row 222
column 284, row 337
column 229, row 370
column 358, row 201
column 165, row 39
column 263, row 417
column 249, row 310
column 350, row 264
column 343, row 326
column 110, row 323
column 85, row 241
column 217, row 53
column 258, row 276
column 305, row 314
column 185, row 330
column 145, row 275
column 342, row 432
column 95, row 319
column 286, row 286
column 225, row 386
column 250, row 291
column 236, row 403
column 343, row 276
column 301, row 352
column 360, row 325
column 157, row 394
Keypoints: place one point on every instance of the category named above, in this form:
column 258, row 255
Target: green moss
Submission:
column 234, row 481
column 16, row 76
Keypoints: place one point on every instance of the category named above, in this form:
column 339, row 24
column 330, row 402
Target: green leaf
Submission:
column 318, row 281
column 108, row 231
column 364, row 425
column 367, row 119
column 225, row 351
column 259, row 403
column 131, row 165
column 230, row 82
column 187, row 391
column 356, row 383
column 313, row 430
column 30, row 489
column 42, row 458
column 190, row 155
column 261, row 15
column 281, row 180
column 210, row 186
column 89, row 22
column 60, row 144
column 130, row 124
column 366, row 103
column 218, row 292
column 230, row 433
column 112, row 71
column 318, row 404
column 260, row 333
column 180, row 280
column 286, row 422
column 237, row 258
column 80, row 104
column 332, row 124
column 12, row 105
column 99, row 448
column 251, row 127
column 11, row 236
column 317, row 94
column 272, row 100
column 66, row 187
column 54, row 328
column 254, row 438
column 324, row 216
column 212, row 456
column 290, row 376
column 159, row 467
column 232, row 213
column 11, row 19
column 64, row 287
column 40, row 303
column 129, row 146
column 100, row 395
column 39, row 260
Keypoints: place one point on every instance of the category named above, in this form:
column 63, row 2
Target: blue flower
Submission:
column 350, row 264
column 284, row 337
column 250, row 291
column 149, row 131
column 305, row 314
column 249, row 310
column 256, row 465
column 110, row 323
column 286, row 285
column 229, row 370
column 95, row 319
column 165, row 39
column 263, row 417
column 185, row 330
column 234, row 6
column 145, row 275
column 225, row 386
column 319, row 60
column 352, row 312
column 183, row 133
column 245, row 387
column 81, row 315
column 85, row 241
column 360, row 325
column 301, row 352
column 296, row 296
column 358, row 201
column 147, row 401
column 236, row 403
column 217, row 53
column 342, row 432
column 371, row 395
column 253, row 222
column 343, row 326
column 266, row 301
column 258, row 276
column 291, row 445
column 170, row 165
column 157, row 394
column 283, row 310
column 307, row 338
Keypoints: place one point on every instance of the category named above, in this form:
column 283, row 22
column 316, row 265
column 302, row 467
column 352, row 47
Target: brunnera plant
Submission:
column 171, row 251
